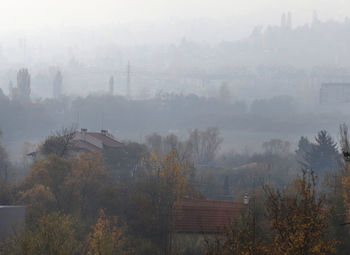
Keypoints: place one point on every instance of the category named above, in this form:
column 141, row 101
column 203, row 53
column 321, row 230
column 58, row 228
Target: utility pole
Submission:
column 111, row 85
column 128, row 81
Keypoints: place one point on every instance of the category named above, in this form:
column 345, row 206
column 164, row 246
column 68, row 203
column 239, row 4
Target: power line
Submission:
column 128, row 81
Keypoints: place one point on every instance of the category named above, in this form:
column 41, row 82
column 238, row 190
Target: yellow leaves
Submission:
column 55, row 234
column 89, row 174
column 171, row 172
column 72, row 185
column 156, row 163
column 346, row 192
column 39, row 199
column 239, row 238
column 107, row 237
column 174, row 175
column 38, row 175
column 49, row 172
column 89, row 166
column 324, row 248
column 299, row 221
column 37, row 194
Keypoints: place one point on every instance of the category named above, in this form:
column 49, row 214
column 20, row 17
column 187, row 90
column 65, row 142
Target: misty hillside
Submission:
column 170, row 127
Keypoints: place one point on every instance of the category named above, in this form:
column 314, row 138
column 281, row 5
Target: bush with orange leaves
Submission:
column 299, row 222
column 108, row 238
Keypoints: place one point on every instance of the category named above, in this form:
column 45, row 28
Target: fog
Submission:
column 245, row 67
column 170, row 127
column 39, row 14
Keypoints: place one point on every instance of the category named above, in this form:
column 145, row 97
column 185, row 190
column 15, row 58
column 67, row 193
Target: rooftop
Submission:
column 94, row 141
column 107, row 139
column 205, row 216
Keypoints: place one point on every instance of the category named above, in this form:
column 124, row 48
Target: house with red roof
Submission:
column 85, row 141
column 196, row 219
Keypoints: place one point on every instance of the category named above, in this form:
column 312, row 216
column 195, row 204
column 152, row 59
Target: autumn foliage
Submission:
column 298, row 225
column 108, row 237
column 239, row 238
column 54, row 234
column 299, row 222
column 77, row 205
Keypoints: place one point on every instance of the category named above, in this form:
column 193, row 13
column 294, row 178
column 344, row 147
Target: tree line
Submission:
column 120, row 201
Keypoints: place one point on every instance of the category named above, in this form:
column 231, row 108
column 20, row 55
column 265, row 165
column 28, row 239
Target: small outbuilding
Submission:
column 196, row 219
column 12, row 218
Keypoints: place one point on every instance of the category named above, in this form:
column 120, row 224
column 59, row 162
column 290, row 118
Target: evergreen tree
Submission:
column 323, row 156
column 304, row 148
column 3, row 163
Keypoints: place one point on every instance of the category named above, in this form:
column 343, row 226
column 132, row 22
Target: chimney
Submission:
column 246, row 199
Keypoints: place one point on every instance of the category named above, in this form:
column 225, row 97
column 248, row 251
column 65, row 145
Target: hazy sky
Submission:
column 37, row 14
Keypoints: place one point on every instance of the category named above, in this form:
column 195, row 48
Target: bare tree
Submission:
column 210, row 142
column 170, row 143
column 204, row 144
column 200, row 148
column 276, row 146
column 3, row 163
column 193, row 144
column 60, row 143
column 344, row 141
column 154, row 141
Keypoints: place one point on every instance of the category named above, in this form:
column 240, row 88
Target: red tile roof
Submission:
column 80, row 145
column 106, row 140
column 205, row 216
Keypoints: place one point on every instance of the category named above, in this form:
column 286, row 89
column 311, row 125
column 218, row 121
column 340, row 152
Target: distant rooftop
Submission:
column 11, row 206
column 12, row 217
column 95, row 141
column 334, row 84
column 205, row 216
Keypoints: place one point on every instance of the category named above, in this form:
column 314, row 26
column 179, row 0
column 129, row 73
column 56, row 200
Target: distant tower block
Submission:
column 11, row 90
column 289, row 20
column 111, row 85
column 57, row 85
column 315, row 19
column 128, row 81
column 23, row 85
column 283, row 20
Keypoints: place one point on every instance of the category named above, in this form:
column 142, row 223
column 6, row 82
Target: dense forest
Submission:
column 119, row 201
